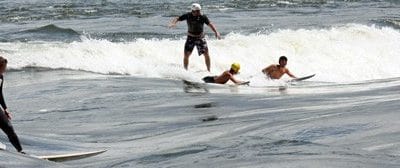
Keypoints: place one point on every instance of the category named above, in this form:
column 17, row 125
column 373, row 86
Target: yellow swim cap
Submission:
column 235, row 67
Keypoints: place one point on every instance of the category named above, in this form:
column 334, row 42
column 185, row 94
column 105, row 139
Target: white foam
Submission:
column 341, row 54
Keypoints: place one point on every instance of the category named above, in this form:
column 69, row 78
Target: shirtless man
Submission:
column 275, row 71
column 225, row 76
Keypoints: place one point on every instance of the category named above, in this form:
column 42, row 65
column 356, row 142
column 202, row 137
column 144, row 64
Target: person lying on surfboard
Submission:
column 276, row 71
column 5, row 115
column 226, row 76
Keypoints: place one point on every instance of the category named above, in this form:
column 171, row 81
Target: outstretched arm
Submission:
column 212, row 26
column 173, row 22
column 290, row 74
column 235, row 80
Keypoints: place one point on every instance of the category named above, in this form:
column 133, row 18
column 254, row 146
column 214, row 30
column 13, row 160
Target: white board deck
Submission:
column 70, row 156
column 2, row 146
column 302, row 78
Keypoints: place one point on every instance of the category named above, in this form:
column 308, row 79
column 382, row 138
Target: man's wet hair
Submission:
column 283, row 58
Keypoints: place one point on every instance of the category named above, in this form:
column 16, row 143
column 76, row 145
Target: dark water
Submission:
column 167, row 123
column 91, row 75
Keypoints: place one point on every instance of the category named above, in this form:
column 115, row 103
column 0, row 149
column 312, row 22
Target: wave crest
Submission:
column 340, row 54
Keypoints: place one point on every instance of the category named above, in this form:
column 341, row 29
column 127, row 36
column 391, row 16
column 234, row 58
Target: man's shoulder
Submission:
column 205, row 18
column 185, row 15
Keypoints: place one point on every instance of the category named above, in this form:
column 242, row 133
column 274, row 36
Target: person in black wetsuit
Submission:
column 5, row 115
column 195, row 35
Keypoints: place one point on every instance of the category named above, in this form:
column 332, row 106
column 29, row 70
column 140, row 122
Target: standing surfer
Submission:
column 195, row 35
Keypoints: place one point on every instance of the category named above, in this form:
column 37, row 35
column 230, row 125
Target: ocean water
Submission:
column 91, row 75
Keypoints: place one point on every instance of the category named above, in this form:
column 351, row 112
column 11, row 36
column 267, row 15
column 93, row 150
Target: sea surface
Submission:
column 108, row 74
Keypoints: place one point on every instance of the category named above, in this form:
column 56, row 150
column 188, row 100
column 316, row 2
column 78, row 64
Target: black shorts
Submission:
column 209, row 79
column 199, row 42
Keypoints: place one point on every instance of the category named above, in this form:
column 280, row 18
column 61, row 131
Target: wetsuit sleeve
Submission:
column 183, row 17
column 2, row 102
column 206, row 20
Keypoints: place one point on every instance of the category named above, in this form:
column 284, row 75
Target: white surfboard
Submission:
column 245, row 83
column 2, row 146
column 302, row 78
column 70, row 156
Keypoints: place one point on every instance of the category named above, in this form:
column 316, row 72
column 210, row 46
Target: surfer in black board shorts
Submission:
column 276, row 71
column 5, row 115
column 226, row 76
column 195, row 35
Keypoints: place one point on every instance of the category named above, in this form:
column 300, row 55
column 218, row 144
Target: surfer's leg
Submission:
column 189, row 46
column 207, row 60
column 202, row 48
column 186, row 59
column 6, row 126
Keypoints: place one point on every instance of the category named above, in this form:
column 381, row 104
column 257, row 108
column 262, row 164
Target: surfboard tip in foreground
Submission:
column 2, row 146
column 70, row 156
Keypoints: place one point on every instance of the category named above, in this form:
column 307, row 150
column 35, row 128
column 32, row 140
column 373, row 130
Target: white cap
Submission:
column 196, row 7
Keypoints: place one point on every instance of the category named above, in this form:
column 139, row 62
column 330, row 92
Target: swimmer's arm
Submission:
column 235, row 80
column 290, row 74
